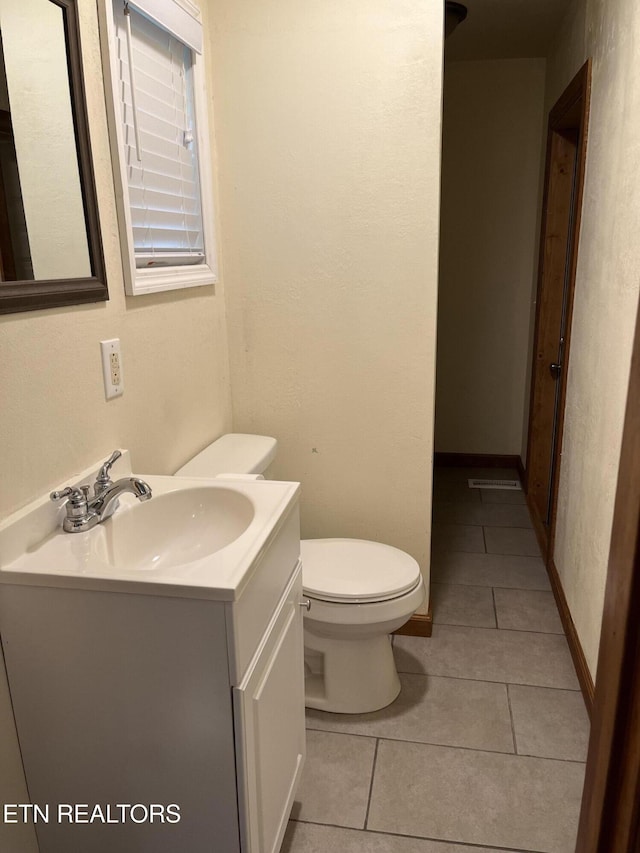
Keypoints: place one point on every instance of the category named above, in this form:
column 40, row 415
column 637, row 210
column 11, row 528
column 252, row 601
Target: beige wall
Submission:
column 606, row 298
column 54, row 419
column 328, row 118
column 492, row 132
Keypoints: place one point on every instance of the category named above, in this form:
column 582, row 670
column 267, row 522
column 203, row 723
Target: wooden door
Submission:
column 564, row 178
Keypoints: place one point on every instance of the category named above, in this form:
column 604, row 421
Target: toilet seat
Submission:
column 356, row 571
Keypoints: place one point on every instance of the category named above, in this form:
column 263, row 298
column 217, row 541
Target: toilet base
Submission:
column 349, row 676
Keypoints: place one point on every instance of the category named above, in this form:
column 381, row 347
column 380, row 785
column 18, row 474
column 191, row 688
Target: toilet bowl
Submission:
column 358, row 592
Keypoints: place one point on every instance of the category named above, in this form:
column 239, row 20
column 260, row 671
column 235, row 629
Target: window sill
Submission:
column 170, row 278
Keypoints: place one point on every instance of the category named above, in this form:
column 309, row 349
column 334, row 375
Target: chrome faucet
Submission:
column 84, row 512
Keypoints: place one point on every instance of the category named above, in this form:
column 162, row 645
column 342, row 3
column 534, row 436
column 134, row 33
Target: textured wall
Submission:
column 606, row 299
column 492, row 131
column 54, row 419
column 328, row 133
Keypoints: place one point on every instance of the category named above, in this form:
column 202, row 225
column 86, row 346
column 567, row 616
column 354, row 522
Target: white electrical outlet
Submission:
column 112, row 368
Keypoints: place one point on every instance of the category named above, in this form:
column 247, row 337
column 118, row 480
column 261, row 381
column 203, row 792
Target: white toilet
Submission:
column 359, row 592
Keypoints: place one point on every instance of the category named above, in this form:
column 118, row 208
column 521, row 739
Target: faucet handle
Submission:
column 58, row 496
column 75, row 494
column 103, row 473
column 103, row 480
column 79, row 515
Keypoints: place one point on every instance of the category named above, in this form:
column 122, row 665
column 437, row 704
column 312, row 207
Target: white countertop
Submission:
column 34, row 549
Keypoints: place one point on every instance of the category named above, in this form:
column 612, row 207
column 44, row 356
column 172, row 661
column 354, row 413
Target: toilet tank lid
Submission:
column 236, row 453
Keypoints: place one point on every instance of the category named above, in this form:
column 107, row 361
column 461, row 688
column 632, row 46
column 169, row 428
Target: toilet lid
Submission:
column 355, row 570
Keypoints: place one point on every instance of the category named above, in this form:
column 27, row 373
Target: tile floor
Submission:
column 486, row 744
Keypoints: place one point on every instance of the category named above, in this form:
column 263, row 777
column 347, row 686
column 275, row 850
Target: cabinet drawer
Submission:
column 270, row 728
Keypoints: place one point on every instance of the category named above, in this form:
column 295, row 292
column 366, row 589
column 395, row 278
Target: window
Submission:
column 159, row 143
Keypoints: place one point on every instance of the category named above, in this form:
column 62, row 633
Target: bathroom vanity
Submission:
column 170, row 674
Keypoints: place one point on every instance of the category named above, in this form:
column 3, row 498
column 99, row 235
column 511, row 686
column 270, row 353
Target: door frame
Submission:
column 610, row 812
column 571, row 111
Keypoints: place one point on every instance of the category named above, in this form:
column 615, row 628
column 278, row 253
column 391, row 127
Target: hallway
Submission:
column 487, row 741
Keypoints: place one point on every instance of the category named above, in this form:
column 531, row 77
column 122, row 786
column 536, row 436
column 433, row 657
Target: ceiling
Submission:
column 506, row 29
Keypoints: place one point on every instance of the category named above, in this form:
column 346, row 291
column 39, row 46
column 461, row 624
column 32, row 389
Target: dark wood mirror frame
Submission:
column 34, row 295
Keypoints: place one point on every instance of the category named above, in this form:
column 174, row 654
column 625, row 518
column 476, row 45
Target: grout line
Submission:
column 495, row 607
column 490, row 680
column 391, row 739
column 489, row 586
column 484, row 539
column 373, row 770
column 472, row 844
column 491, row 553
column 495, row 586
column 513, row 726
column 469, row 523
column 511, row 630
column 437, row 551
column 525, row 631
column 485, row 681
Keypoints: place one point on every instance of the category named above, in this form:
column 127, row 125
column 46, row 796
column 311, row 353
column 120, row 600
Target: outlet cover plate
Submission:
column 112, row 368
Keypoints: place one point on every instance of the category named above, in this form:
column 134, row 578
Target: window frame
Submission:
column 141, row 281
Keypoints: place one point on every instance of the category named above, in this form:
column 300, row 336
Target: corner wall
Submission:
column 606, row 299
column 328, row 120
column 492, row 134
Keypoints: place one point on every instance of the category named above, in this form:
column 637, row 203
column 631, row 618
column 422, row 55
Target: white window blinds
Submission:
column 161, row 158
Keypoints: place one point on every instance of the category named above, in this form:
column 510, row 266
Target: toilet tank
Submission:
column 234, row 453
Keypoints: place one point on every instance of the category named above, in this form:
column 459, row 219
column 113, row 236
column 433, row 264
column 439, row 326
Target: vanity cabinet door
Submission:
column 270, row 733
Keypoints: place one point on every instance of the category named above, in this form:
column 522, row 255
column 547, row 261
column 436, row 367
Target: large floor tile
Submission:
column 457, row 537
column 457, row 604
column 549, row 723
column 489, row 570
column 518, row 657
column 476, row 797
column 502, row 496
column 449, row 711
column 495, row 514
column 527, row 610
column 511, row 540
column 336, row 779
column 454, row 490
column 311, row 838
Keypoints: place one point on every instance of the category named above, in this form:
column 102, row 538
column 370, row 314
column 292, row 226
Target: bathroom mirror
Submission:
column 50, row 245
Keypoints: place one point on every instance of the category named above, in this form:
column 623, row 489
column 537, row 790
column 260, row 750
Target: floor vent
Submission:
column 495, row 484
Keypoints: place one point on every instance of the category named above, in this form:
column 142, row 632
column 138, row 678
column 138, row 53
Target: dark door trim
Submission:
column 569, row 118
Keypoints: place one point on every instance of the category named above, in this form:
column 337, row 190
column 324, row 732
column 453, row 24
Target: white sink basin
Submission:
column 195, row 537
column 176, row 528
